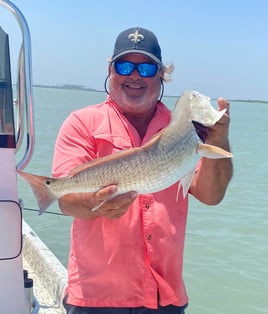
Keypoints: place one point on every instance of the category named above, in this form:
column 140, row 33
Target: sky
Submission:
column 218, row 47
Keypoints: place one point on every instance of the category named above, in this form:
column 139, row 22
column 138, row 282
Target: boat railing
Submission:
column 12, row 136
column 24, row 95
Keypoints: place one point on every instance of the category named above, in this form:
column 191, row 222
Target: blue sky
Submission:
column 219, row 48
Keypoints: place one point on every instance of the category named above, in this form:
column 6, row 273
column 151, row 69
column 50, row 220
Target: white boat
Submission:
column 32, row 279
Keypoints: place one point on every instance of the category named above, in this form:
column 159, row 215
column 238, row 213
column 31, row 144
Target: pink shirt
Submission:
column 136, row 260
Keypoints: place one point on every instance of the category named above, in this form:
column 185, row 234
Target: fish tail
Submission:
column 213, row 152
column 43, row 194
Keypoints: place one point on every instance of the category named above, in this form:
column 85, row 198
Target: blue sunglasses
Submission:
column 126, row 68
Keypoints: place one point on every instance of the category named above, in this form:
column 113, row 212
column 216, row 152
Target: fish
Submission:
column 170, row 156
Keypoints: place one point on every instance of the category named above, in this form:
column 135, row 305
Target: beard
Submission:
column 133, row 96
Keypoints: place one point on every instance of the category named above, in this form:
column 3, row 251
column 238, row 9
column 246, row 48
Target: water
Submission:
column 226, row 254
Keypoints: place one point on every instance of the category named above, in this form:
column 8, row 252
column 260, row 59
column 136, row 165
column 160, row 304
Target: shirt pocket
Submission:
column 107, row 144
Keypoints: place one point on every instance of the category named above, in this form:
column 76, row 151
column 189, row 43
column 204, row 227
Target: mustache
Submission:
column 135, row 82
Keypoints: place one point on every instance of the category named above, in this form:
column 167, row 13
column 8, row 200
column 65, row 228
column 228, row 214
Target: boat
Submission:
column 32, row 279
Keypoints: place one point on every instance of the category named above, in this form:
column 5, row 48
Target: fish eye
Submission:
column 47, row 182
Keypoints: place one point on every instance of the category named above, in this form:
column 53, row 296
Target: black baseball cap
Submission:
column 137, row 40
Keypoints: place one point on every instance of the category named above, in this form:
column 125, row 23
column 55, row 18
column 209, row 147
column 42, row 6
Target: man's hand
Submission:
column 213, row 176
column 218, row 134
column 114, row 207
column 101, row 203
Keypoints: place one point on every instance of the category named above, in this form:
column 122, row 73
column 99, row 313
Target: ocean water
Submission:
column 226, row 252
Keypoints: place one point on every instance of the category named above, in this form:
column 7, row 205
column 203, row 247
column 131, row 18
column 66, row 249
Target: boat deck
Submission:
column 48, row 274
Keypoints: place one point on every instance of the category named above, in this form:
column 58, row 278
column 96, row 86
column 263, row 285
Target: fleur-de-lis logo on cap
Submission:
column 136, row 37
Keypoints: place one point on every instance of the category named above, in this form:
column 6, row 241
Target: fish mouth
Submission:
column 201, row 130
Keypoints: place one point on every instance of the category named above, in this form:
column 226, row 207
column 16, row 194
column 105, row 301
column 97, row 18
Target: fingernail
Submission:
column 133, row 194
column 113, row 189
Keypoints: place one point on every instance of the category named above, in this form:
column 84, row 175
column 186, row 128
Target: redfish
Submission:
column 170, row 156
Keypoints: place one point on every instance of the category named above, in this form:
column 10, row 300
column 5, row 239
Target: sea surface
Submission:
column 226, row 253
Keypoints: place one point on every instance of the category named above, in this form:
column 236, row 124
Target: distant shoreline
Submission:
column 88, row 89
column 69, row 87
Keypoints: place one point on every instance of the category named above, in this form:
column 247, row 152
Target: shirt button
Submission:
column 149, row 237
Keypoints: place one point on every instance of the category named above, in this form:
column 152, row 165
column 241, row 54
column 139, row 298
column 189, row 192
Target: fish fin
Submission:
column 178, row 191
column 185, row 183
column 155, row 138
column 213, row 152
column 98, row 206
column 41, row 191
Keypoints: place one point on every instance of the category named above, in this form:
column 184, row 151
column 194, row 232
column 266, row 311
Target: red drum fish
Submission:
column 170, row 156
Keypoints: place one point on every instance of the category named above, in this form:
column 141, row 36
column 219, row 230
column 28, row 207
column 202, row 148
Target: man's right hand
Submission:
column 101, row 203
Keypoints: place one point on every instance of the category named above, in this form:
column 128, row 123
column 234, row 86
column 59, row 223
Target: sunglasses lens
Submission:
column 147, row 69
column 126, row 68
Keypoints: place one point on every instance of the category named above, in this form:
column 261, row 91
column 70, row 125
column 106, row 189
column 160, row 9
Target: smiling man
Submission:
column 136, row 73
column 127, row 256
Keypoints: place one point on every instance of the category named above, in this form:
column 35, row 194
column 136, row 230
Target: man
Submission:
column 127, row 256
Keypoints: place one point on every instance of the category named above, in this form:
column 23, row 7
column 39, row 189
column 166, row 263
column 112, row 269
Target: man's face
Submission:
column 134, row 94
